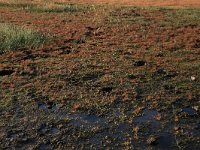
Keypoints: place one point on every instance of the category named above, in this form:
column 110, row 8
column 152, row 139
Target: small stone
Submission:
column 196, row 108
column 152, row 140
column 24, row 139
column 60, row 126
column 193, row 78
column 158, row 117
column 177, row 128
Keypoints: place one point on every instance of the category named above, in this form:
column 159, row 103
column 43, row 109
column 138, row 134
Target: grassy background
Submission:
column 13, row 37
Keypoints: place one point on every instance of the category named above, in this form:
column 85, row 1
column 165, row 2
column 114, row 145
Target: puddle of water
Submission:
column 91, row 119
column 87, row 120
column 121, row 132
column 54, row 130
column 78, row 119
column 189, row 111
column 42, row 106
column 48, row 130
column 115, row 134
column 46, row 106
column 44, row 147
column 166, row 141
column 148, row 116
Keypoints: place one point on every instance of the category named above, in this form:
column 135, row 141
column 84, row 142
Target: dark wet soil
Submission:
column 6, row 72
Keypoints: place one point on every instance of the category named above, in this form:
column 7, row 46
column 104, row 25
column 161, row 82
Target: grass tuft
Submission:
column 181, row 17
column 13, row 37
column 54, row 9
column 48, row 8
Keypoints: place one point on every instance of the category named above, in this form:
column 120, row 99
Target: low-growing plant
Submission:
column 181, row 17
column 56, row 9
column 48, row 7
column 18, row 5
column 13, row 37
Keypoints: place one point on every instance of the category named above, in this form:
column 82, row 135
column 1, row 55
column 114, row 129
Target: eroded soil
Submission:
column 110, row 77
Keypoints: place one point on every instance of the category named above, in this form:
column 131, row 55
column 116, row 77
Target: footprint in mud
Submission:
column 139, row 63
column 148, row 117
column 6, row 72
column 107, row 89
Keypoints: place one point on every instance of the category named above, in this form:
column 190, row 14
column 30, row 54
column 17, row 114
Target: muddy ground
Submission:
column 115, row 77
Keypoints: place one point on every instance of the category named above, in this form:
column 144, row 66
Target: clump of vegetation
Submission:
column 49, row 7
column 56, row 9
column 181, row 17
column 14, row 37
column 17, row 5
